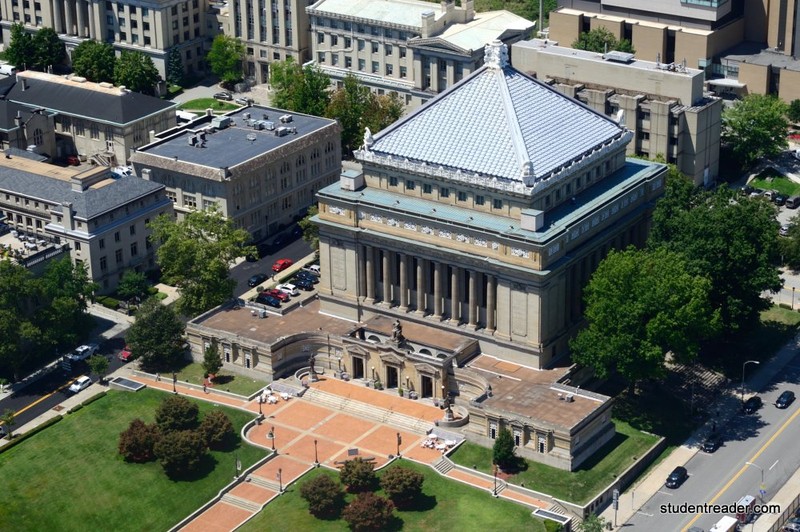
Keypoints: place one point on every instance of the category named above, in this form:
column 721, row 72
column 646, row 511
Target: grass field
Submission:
column 71, row 477
column 577, row 486
column 444, row 505
column 201, row 104
column 771, row 179
column 229, row 382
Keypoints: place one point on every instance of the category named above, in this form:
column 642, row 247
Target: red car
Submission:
column 125, row 355
column 274, row 292
column 281, row 264
column 73, row 160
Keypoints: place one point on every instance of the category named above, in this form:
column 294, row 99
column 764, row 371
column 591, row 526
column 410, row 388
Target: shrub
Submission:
column 217, row 430
column 108, row 302
column 180, row 451
column 323, row 495
column 358, row 475
column 503, row 450
column 368, row 512
column 176, row 413
column 137, row 442
column 402, row 485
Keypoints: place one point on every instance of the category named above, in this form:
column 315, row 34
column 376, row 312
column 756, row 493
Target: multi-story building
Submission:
column 102, row 220
column 152, row 28
column 744, row 47
column 98, row 122
column 414, row 48
column 259, row 166
column 664, row 105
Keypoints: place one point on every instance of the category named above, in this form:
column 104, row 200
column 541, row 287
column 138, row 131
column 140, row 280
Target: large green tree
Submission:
column 503, row 450
column 48, row 49
column 20, row 51
column 133, row 284
column 310, row 229
column 601, row 40
column 789, row 245
column 349, row 105
column 136, row 71
column 157, row 336
column 175, row 74
column 196, row 254
column 94, row 61
column 301, row 89
column 225, row 58
column 755, row 127
column 729, row 239
column 640, row 305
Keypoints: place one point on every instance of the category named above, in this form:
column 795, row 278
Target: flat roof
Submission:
column 403, row 12
column 234, row 145
column 418, row 333
column 485, row 28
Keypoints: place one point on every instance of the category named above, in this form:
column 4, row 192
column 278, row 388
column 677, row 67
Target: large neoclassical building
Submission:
column 484, row 213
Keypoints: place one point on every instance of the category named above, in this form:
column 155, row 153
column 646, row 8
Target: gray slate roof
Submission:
column 494, row 123
column 86, row 204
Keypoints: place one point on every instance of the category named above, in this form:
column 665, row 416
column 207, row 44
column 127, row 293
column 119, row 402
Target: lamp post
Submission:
column 793, row 298
column 761, row 490
column 743, row 368
column 494, row 489
column 399, row 441
column 271, row 437
column 316, row 458
column 280, row 481
column 174, row 382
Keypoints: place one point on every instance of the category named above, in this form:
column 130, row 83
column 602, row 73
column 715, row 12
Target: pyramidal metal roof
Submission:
column 498, row 126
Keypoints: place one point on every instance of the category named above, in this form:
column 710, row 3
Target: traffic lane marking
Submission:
column 36, row 402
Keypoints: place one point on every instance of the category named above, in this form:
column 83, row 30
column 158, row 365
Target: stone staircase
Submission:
column 443, row 465
column 264, row 482
column 239, row 502
column 369, row 412
column 556, row 508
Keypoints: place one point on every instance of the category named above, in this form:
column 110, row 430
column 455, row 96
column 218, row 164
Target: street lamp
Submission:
column 793, row 298
column 280, row 481
column 399, row 441
column 494, row 490
column 316, row 458
column 743, row 368
column 174, row 382
column 760, row 469
column 271, row 437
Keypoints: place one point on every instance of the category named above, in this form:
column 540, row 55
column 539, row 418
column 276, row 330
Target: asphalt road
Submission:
column 295, row 250
column 767, row 439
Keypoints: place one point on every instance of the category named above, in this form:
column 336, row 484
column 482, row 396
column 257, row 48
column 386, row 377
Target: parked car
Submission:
column 314, row 268
column 784, row 231
column 711, row 444
column 288, row 288
column 227, row 96
column 746, row 190
column 780, row 199
column 126, row 355
column 302, row 274
column 80, row 384
column 770, row 194
column 677, row 477
column 274, row 292
column 244, row 101
column 279, row 241
column 268, row 300
column 3, row 432
column 304, row 284
column 752, row 404
column 793, row 202
column 281, row 264
column 785, row 399
column 297, row 231
column 83, row 352
column 257, row 279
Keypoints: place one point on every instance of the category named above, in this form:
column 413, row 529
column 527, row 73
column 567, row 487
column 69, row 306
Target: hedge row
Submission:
column 22, row 437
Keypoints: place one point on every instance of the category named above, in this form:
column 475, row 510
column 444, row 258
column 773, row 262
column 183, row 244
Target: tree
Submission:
column 383, row 111
column 402, row 485
column 133, row 284
column 8, row 420
column 503, row 450
column 180, row 452
column 593, row 523
column 225, row 58
column 196, row 255
column 48, row 49
column 175, row 66
column 640, row 305
column 301, row 89
column 20, row 51
column 137, row 442
column 136, row 71
column 212, row 362
column 315, row 93
column 730, row 240
column 790, row 245
column 217, row 430
column 793, row 114
column 349, row 106
column 94, row 61
column 601, row 40
column 323, row 495
column 176, row 413
column 368, row 512
column 358, row 475
column 99, row 365
column 310, row 229
column 755, row 127
column 157, row 336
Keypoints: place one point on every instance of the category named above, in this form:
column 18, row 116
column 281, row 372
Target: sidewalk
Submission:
column 728, row 406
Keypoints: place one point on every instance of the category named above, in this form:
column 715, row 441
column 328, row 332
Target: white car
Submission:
column 83, row 352
column 314, row 268
column 288, row 288
column 80, row 384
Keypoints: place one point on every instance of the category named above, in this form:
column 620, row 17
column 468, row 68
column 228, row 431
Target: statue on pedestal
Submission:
column 397, row 332
column 312, row 372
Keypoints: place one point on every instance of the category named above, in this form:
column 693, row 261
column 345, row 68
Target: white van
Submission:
column 8, row 70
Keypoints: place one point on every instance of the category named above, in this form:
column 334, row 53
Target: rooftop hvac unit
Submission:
column 221, row 122
column 246, row 116
column 265, row 116
column 282, row 131
column 285, row 119
column 192, row 140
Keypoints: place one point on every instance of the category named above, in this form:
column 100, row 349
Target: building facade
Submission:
column 152, row 28
column 257, row 165
column 664, row 105
column 100, row 219
column 416, row 49
column 95, row 121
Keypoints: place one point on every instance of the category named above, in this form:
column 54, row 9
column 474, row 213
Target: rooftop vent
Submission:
column 221, row 122
column 618, row 57
column 285, row 119
column 246, row 116
column 251, row 137
column 283, row 131
column 106, row 85
column 78, row 79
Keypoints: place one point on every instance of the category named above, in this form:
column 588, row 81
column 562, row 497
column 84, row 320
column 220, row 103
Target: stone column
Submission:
column 387, row 277
column 473, row 306
column 421, row 287
column 70, row 29
column 403, row 283
column 92, row 29
column 369, row 255
column 433, row 65
column 58, row 17
column 455, row 301
column 491, row 297
column 437, row 291
column 80, row 6
column 362, row 272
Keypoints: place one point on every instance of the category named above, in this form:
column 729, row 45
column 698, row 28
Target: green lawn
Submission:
column 778, row 182
column 578, row 486
column 229, row 382
column 71, row 477
column 444, row 505
column 201, row 104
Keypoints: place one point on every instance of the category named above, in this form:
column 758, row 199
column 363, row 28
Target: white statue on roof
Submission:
column 495, row 54
column 368, row 140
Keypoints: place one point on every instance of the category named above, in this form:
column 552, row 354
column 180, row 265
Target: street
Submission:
column 295, row 250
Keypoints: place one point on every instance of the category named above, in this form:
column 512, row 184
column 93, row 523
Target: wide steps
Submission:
column 443, row 465
column 264, row 482
column 239, row 502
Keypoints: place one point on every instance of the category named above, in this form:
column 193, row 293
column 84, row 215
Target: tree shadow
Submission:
column 395, row 524
column 203, row 469
column 601, row 453
column 223, row 379
column 420, row 503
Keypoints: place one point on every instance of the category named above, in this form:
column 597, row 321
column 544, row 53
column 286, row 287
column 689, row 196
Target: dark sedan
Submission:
column 752, row 404
column 227, row 96
column 785, row 399
column 268, row 300
column 257, row 279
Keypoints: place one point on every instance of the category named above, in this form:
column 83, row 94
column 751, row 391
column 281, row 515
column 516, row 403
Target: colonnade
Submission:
column 77, row 17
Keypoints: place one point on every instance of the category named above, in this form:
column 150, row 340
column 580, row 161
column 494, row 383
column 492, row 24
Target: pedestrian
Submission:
column 205, row 389
column 158, row 377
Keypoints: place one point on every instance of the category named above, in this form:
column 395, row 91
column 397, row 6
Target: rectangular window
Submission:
column 497, row 204
column 116, row 237
column 335, row 59
column 362, row 64
column 462, row 196
column 134, row 249
column 77, row 246
column 387, row 49
column 427, row 189
column 479, row 200
column 103, row 264
column 133, row 230
column 118, row 256
column 410, row 185
column 334, row 40
column 389, row 69
column 361, row 44
column 375, row 67
column 392, row 181
column 320, row 57
column 444, row 192
column 320, row 37
column 402, row 52
column 348, row 62
column 348, row 42
column 403, row 72
column 102, row 243
column 374, row 48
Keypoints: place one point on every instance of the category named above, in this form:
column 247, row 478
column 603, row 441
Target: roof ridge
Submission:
column 517, row 138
